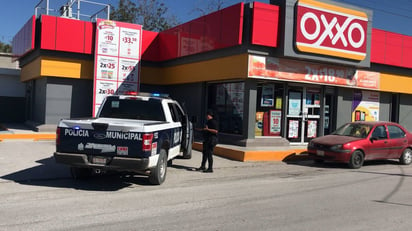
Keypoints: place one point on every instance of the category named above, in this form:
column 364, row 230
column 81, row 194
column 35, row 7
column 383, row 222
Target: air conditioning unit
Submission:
column 66, row 11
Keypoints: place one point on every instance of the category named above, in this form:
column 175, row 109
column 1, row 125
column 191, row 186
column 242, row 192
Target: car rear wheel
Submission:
column 406, row 157
column 158, row 174
column 356, row 160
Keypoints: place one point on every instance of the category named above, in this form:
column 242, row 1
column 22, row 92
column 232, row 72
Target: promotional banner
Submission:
column 277, row 68
column 117, row 59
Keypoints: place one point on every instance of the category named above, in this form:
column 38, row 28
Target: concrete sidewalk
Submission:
column 267, row 153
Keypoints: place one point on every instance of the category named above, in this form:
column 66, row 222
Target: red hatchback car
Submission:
column 355, row 142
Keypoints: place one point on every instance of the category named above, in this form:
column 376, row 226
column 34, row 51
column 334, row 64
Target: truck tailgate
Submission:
column 101, row 137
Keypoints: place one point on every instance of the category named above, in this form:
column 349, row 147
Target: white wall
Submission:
column 10, row 84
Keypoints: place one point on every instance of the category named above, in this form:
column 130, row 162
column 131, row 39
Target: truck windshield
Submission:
column 133, row 109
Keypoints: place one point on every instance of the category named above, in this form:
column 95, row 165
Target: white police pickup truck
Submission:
column 138, row 133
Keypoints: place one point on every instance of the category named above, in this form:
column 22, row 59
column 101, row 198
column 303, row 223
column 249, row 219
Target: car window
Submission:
column 177, row 115
column 354, row 130
column 395, row 132
column 380, row 132
column 173, row 113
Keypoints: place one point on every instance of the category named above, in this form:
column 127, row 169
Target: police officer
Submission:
column 209, row 142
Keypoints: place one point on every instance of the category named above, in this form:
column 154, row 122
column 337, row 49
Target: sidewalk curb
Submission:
column 257, row 155
column 233, row 153
column 32, row 136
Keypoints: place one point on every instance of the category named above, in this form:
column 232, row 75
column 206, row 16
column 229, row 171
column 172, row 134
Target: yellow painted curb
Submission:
column 34, row 137
column 252, row 155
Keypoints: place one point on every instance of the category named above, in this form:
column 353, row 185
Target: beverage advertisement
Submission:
column 365, row 106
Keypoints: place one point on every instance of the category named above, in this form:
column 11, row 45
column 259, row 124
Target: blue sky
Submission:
column 390, row 15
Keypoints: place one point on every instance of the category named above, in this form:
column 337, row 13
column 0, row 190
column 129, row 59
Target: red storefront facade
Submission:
column 274, row 77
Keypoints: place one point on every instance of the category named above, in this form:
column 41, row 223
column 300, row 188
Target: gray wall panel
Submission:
column 68, row 98
column 250, row 107
column 385, row 106
column 344, row 106
column 58, row 102
column 405, row 111
column 39, row 108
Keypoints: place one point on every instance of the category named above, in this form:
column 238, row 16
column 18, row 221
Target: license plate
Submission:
column 99, row 160
column 320, row 152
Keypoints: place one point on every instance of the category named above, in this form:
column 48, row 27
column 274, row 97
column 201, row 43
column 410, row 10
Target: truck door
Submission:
column 187, row 130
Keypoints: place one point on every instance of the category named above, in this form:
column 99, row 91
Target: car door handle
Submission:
column 385, row 142
column 405, row 141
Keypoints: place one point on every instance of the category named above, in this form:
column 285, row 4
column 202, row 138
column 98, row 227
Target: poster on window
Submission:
column 235, row 93
column 293, row 129
column 326, row 123
column 267, row 99
column 365, row 106
column 294, row 103
column 312, row 127
column 220, row 94
column 275, row 120
column 259, row 123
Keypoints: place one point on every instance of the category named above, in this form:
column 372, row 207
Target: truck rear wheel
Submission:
column 158, row 174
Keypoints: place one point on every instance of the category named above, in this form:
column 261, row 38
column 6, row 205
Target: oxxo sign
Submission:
column 326, row 29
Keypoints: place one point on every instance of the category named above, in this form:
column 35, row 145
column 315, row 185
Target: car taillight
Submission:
column 58, row 136
column 147, row 142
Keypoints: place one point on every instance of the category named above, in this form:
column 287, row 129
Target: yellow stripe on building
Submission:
column 396, row 83
column 232, row 67
column 57, row 67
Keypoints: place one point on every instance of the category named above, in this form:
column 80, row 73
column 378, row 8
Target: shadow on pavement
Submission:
column 3, row 128
column 50, row 174
column 309, row 162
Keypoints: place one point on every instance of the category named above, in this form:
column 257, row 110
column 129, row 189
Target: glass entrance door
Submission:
column 303, row 114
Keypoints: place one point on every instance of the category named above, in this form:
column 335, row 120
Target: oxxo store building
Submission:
column 275, row 74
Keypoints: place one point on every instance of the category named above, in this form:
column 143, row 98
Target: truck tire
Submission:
column 80, row 173
column 158, row 174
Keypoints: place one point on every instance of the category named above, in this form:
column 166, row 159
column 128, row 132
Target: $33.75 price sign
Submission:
column 130, row 40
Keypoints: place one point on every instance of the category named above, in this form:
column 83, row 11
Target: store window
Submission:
column 227, row 100
column 269, row 109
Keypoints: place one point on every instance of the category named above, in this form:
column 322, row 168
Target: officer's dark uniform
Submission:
column 209, row 143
